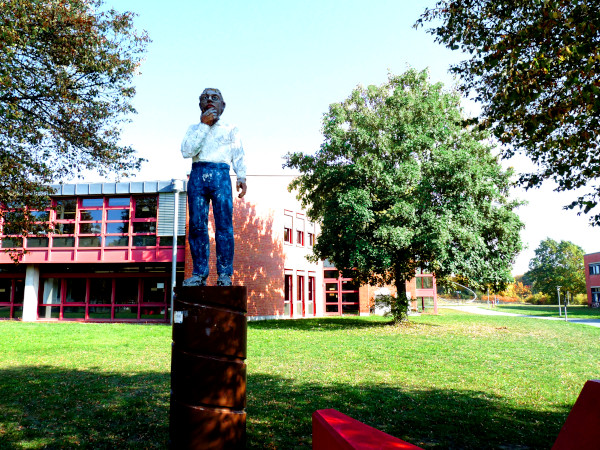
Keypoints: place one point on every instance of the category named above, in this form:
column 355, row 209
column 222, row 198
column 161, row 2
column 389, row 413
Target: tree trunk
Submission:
column 400, row 304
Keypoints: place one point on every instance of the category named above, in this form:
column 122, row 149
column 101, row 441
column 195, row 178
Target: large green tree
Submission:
column 557, row 264
column 66, row 69
column 535, row 67
column 399, row 183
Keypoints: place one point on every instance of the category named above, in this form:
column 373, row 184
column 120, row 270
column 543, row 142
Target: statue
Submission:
column 213, row 146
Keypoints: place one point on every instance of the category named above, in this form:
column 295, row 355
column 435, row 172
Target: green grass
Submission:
column 574, row 311
column 449, row 381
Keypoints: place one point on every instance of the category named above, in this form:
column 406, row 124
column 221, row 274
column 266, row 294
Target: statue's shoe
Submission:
column 195, row 280
column 224, row 280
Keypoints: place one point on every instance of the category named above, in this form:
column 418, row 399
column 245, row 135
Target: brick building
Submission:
column 111, row 257
column 592, row 278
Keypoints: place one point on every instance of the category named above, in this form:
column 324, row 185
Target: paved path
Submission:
column 473, row 309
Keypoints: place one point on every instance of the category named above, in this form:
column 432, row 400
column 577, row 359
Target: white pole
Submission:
column 558, row 292
column 176, row 186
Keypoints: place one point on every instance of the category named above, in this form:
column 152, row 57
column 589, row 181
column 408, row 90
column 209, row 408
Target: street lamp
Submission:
column 558, row 292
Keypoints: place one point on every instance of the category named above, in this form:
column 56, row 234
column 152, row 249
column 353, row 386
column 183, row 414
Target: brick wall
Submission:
column 261, row 257
column 591, row 280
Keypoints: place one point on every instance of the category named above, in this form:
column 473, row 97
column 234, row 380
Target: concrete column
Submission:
column 30, row 296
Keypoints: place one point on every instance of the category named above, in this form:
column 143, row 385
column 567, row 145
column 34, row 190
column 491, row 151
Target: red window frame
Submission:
column 336, row 287
column 288, row 294
column 143, row 308
column 288, row 228
column 300, row 299
column 14, row 304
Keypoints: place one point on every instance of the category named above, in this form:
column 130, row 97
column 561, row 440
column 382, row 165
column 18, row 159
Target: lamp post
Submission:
column 176, row 187
column 558, row 292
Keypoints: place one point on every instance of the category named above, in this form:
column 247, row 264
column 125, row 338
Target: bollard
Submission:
column 208, row 372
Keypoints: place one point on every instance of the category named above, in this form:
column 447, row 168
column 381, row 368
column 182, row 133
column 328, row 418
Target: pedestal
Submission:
column 208, row 373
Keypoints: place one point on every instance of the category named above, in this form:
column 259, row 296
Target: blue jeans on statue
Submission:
column 210, row 182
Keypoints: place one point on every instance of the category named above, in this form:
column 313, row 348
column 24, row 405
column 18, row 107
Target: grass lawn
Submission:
column 574, row 311
column 449, row 381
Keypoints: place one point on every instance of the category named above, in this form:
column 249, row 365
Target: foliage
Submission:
column 557, row 264
column 535, row 67
column 397, row 306
column 399, row 183
column 579, row 299
column 65, row 89
column 540, row 298
column 517, row 290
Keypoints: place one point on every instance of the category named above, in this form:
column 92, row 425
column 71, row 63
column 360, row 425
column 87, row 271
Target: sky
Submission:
column 280, row 65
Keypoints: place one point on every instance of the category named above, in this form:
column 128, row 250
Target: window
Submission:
column 66, row 213
column 134, row 298
column 424, row 282
column 36, row 242
column 66, row 208
column 300, row 300
column 11, row 298
column 299, row 231
column 595, row 297
column 117, row 227
column 145, row 207
column 89, row 223
column 310, row 304
column 287, row 229
column 310, row 234
column 167, row 241
column 144, row 221
column 341, row 293
column 12, row 242
column 594, row 269
column 287, row 299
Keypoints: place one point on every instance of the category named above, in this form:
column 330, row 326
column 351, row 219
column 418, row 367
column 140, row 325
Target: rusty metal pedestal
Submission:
column 208, row 372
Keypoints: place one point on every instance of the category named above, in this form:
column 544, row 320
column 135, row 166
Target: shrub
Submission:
column 538, row 299
column 398, row 308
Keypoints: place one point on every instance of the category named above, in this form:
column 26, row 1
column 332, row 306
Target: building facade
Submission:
column 110, row 257
column 592, row 278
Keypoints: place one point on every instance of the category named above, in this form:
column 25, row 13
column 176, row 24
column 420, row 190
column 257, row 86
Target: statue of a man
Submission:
column 213, row 146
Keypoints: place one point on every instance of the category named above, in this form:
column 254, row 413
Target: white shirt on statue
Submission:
column 220, row 143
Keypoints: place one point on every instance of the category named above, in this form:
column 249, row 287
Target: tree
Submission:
column 557, row 264
column 399, row 183
column 66, row 69
column 535, row 67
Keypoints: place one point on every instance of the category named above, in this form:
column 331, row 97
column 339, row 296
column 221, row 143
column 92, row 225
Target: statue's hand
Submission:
column 209, row 117
column 241, row 186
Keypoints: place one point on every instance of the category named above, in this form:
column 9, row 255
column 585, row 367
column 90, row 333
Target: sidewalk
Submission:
column 472, row 309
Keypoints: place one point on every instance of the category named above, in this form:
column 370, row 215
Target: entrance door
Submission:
column 341, row 294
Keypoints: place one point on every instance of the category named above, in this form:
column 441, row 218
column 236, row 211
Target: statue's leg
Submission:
column 198, row 202
column 223, row 212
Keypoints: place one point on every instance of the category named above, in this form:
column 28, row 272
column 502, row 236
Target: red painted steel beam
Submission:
column 333, row 430
column 581, row 430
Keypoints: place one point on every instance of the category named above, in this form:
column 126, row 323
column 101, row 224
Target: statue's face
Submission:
column 212, row 98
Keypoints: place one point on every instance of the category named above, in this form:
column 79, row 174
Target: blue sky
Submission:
column 279, row 65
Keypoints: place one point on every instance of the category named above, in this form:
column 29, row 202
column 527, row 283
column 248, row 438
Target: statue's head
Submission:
column 212, row 98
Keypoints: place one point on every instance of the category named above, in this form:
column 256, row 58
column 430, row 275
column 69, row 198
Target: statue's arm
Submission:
column 238, row 162
column 193, row 141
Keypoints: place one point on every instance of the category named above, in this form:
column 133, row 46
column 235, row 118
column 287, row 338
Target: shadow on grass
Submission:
column 51, row 408
column 47, row 407
column 324, row 323
column 279, row 415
